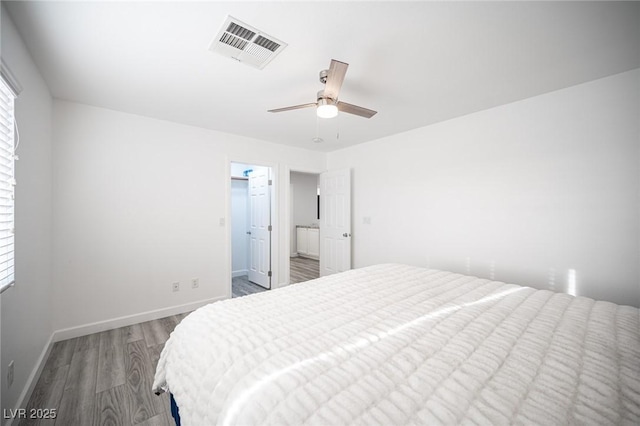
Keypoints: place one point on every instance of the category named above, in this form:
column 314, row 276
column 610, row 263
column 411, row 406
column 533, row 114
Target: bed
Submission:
column 395, row 344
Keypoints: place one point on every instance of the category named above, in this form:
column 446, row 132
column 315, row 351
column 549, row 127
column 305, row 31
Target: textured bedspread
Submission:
column 395, row 345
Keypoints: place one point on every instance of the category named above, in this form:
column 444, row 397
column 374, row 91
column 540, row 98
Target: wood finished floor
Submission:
column 105, row 378
column 241, row 286
column 303, row 269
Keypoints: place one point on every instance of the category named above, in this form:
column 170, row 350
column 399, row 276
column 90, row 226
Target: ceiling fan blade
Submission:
column 292, row 107
column 335, row 77
column 356, row 110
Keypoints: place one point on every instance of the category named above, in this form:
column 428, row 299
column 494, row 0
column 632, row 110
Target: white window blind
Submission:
column 7, row 184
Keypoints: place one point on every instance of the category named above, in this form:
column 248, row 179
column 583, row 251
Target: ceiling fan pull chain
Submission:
column 317, row 138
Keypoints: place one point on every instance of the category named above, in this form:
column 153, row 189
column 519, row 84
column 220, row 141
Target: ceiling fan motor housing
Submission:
column 323, row 100
column 323, row 76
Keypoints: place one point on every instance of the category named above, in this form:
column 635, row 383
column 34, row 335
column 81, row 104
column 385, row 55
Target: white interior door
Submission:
column 260, row 226
column 335, row 221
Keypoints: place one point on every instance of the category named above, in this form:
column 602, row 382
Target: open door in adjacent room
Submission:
column 260, row 226
column 335, row 221
column 251, row 213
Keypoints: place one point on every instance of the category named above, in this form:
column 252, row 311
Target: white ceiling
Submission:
column 416, row 63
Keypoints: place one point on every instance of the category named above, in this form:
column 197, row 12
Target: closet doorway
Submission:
column 305, row 231
column 251, row 229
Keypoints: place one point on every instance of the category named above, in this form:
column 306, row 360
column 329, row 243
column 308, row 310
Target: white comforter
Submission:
column 395, row 345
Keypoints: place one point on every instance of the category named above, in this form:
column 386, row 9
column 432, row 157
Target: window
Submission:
column 7, row 184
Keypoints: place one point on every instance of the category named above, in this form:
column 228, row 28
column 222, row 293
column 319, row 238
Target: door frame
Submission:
column 275, row 219
column 286, row 213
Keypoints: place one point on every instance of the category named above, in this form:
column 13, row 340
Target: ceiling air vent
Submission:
column 246, row 44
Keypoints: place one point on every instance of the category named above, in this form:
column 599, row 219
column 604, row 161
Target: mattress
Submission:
column 395, row 344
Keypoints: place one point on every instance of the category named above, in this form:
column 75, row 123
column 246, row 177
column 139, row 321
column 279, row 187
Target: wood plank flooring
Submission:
column 241, row 286
column 105, row 378
column 303, row 269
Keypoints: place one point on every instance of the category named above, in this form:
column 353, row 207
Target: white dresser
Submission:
column 308, row 241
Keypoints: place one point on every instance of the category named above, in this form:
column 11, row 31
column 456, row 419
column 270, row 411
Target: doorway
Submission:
column 304, row 226
column 251, row 229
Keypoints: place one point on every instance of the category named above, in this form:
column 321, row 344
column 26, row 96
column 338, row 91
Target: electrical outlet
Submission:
column 175, row 286
column 10, row 374
column 195, row 283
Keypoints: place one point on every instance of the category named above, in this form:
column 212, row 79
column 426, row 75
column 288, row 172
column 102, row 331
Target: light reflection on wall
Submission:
column 487, row 269
column 552, row 279
column 572, row 286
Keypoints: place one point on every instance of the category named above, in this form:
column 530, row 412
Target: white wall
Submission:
column 137, row 205
column 525, row 192
column 304, row 202
column 26, row 308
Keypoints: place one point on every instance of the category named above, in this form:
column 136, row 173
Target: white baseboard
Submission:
column 32, row 380
column 309, row 256
column 239, row 273
column 97, row 327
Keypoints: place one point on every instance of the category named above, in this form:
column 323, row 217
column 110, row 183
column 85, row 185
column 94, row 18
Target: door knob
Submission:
column 248, row 232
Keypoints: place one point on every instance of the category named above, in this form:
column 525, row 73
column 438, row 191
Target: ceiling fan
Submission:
column 328, row 105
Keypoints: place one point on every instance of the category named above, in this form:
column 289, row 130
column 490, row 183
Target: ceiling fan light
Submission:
column 326, row 109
